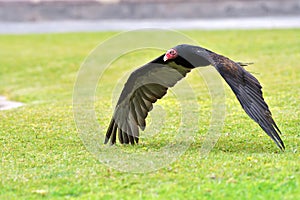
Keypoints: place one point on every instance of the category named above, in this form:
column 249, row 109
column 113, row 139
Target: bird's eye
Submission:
column 172, row 52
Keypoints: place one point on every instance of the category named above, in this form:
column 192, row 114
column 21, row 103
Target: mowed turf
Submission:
column 42, row 155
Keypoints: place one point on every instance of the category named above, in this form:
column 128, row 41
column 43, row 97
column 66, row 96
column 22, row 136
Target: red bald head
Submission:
column 170, row 54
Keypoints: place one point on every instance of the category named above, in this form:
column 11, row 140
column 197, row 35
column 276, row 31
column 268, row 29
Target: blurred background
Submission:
column 44, row 156
column 93, row 15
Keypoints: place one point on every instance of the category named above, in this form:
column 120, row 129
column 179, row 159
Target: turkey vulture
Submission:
column 151, row 82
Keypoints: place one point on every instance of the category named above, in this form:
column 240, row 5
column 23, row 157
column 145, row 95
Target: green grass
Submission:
column 42, row 155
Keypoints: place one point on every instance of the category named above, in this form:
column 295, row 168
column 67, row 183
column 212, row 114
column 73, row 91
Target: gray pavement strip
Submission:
column 6, row 105
column 125, row 25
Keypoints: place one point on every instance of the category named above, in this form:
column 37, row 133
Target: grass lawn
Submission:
column 42, row 155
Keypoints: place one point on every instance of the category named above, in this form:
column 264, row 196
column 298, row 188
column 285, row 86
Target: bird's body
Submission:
column 151, row 82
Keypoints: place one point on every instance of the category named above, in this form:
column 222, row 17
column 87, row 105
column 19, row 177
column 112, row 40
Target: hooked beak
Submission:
column 166, row 58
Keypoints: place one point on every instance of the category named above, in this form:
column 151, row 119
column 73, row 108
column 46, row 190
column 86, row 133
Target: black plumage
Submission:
column 151, row 82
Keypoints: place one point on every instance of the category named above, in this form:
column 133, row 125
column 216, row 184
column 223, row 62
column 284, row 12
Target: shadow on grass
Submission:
column 240, row 146
column 223, row 145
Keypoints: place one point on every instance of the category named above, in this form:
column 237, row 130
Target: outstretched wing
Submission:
column 248, row 91
column 144, row 86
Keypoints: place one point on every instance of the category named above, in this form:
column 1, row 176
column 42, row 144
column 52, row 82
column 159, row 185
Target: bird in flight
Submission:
column 151, row 81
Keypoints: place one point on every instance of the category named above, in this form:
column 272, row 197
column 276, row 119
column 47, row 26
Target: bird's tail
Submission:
column 244, row 64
